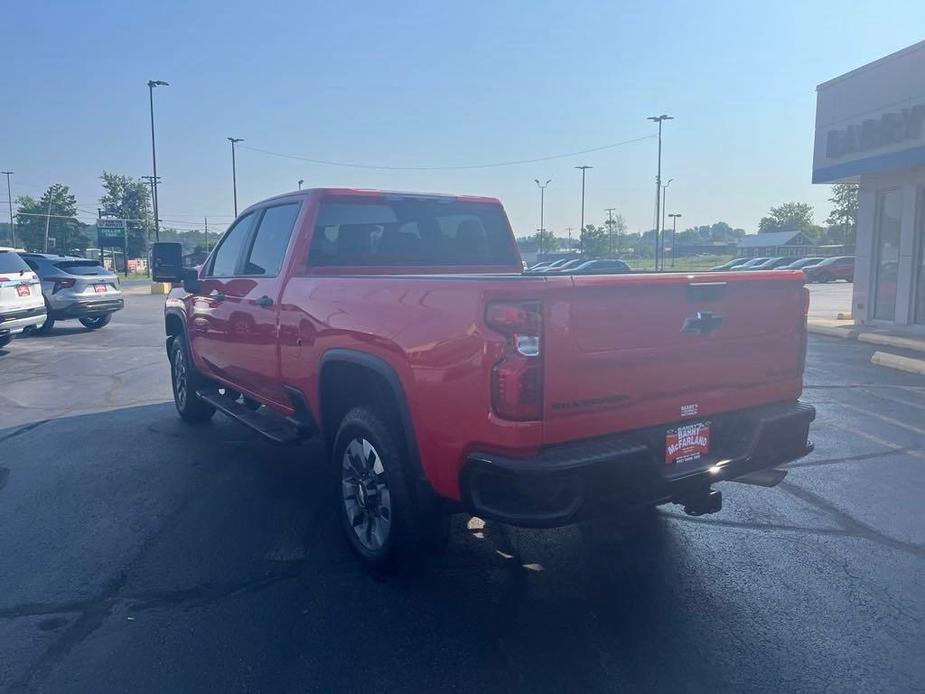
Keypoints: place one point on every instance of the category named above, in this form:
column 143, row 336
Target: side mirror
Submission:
column 167, row 262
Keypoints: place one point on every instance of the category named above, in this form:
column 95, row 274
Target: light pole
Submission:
column 658, row 179
column 674, row 230
column 301, row 181
column 581, row 231
column 151, row 85
column 610, row 211
column 48, row 219
column 9, row 198
column 542, row 187
column 664, row 210
column 234, row 173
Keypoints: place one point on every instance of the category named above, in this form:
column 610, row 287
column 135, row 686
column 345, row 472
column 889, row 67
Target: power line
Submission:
column 516, row 162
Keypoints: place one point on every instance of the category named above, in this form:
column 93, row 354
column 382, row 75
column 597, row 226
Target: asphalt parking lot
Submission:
column 139, row 554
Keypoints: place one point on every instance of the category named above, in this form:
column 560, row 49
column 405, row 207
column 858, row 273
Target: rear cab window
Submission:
column 411, row 231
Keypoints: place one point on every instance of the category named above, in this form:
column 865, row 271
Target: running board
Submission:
column 271, row 426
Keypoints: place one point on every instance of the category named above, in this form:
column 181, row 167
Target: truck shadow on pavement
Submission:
column 132, row 540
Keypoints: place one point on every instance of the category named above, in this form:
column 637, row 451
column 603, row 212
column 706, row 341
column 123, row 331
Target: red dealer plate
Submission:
column 99, row 288
column 687, row 443
column 22, row 290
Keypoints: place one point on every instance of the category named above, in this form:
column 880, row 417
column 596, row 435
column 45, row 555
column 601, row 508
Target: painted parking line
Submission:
column 883, row 418
column 876, row 439
column 898, row 401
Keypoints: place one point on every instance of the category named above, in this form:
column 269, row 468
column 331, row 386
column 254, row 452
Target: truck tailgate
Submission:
column 634, row 351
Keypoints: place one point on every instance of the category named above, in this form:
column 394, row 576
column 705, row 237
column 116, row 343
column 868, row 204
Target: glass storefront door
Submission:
column 919, row 269
column 886, row 253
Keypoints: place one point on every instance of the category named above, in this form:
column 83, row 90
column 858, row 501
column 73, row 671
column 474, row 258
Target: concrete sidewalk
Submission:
column 846, row 329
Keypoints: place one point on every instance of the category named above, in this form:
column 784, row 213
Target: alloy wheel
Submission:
column 366, row 497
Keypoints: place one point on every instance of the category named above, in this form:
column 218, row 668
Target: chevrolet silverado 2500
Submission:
column 402, row 330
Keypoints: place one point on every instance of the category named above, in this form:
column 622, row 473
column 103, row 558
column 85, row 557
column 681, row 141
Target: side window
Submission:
column 270, row 242
column 225, row 263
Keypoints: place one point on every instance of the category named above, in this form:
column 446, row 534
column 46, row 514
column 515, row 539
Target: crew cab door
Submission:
column 254, row 323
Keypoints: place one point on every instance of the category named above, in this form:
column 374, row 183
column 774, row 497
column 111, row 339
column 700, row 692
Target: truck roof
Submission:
column 370, row 192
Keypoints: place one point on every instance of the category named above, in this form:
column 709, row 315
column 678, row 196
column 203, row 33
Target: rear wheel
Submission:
column 825, row 278
column 5, row 340
column 378, row 515
column 96, row 322
column 49, row 323
column 186, row 381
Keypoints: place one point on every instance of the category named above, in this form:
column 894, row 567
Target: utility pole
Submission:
column 234, row 172
column 674, row 230
column 151, row 85
column 207, row 234
column 569, row 230
column 610, row 211
column 47, row 220
column 301, row 181
column 658, row 180
column 581, row 232
column 9, row 196
column 664, row 210
column 542, row 188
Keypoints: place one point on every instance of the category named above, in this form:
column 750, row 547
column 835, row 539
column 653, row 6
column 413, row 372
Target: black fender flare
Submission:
column 423, row 489
column 173, row 312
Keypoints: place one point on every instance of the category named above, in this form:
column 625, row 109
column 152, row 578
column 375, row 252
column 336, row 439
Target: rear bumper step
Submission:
column 624, row 472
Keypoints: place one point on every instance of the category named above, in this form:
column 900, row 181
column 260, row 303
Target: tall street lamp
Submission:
column 581, row 231
column 542, row 187
column 234, row 173
column 151, row 85
column 9, row 198
column 674, row 230
column 658, row 180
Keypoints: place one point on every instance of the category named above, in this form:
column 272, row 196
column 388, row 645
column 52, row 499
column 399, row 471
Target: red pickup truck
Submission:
column 402, row 329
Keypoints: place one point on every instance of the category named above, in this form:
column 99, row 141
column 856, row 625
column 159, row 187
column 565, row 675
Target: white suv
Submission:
column 21, row 302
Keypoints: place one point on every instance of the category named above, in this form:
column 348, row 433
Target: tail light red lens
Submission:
column 517, row 380
column 62, row 283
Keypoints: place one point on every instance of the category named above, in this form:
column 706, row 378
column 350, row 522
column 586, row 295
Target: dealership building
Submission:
column 870, row 130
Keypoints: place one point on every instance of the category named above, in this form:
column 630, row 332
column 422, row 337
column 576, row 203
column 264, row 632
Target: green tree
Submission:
column 59, row 208
column 791, row 216
column 546, row 241
column 843, row 219
column 616, row 230
column 595, row 241
column 129, row 199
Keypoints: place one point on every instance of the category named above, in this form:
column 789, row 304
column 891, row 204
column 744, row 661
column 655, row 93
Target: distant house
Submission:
column 776, row 243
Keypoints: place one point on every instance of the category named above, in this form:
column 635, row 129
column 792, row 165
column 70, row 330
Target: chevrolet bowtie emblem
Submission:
column 701, row 323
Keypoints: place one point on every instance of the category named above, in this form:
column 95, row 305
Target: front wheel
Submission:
column 96, row 322
column 186, row 381
column 5, row 340
column 379, row 518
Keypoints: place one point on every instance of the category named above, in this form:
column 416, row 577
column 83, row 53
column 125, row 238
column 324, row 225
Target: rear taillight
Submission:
column 4, row 279
column 517, row 380
column 803, row 329
column 63, row 283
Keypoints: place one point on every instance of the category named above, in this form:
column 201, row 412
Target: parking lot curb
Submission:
column 892, row 341
column 846, row 333
column 160, row 288
column 894, row 361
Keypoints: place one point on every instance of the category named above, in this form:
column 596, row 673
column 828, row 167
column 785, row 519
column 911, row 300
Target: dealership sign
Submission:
column 111, row 233
column 888, row 129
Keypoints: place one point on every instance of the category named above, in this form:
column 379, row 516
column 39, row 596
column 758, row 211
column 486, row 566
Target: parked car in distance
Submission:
column 601, row 266
column 556, row 264
column 800, row 264
column 573, row 397
column 771, row 264
column 74, row 287
column 838, row 268
column 750, row 264
column 729, row 265
column 568, row 265
column 21, row 304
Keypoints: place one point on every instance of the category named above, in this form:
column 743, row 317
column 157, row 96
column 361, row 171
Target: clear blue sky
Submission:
column 426, row 84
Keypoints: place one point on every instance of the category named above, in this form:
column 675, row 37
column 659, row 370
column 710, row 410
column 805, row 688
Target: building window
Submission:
column 920, row 259
column 886, row 253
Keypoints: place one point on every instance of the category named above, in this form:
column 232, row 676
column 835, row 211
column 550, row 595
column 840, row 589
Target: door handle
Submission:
column 265, row 301
column 217, row 296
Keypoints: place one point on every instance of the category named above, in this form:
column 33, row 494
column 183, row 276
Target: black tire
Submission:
column 5, row 340
column 95, row 322
column 825, row 278
column 185, row 381
column 49, row 323
column 382, row 525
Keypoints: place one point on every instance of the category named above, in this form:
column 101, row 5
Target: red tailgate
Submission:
column 632, row 351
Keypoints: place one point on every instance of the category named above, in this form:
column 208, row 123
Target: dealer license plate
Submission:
column 23, row 290
column 99, row 288
column 687, row 443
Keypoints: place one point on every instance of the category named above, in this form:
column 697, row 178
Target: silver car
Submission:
column 76, row 288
